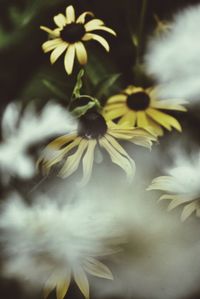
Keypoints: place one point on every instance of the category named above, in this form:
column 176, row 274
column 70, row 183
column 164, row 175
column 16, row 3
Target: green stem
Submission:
column 140, row 30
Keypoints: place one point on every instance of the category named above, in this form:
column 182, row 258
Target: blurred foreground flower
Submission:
column 70, row 35
column 139, row 106
column 21, row 130
column 93, row 131
column 48, row 246
column 173, row 58
column 182, row 186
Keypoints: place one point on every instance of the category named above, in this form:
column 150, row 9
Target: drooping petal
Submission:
column 155, row 127
column 54, row 33
column 82, row 281
column 165, row 104
column 96, row 268
column 49, row 285
column 52, row 156
column 51, row 44
column 81, row 53
column 73, row 161
column 118, row 155
column 57, row 52
column 188, row 210
column 93, row 24
column 98, row 38
column 164, row 183
column 70, row 14
column 81, row 18
column 60, row 20
column 69, row 59
column 63, row 286
column 165, row 120
column 88, row 162
column 104, row 28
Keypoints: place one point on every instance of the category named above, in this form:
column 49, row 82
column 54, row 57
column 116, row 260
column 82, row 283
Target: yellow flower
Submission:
column 70, row 35
column 173, row 187
column 93, row 131
column 139, row 106
column 61, row 281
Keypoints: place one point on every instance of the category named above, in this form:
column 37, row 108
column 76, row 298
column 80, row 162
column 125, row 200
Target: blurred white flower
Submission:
column 173, row 58
column 21, row 131
column 47, row 245
column 182, row 184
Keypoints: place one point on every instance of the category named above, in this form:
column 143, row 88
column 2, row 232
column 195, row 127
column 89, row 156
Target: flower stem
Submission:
column 141, row 29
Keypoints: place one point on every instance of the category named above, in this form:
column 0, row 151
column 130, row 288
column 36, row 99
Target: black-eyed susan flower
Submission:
column 182, row 189
column 70, row 35
column 93, row 131
column 141, row 107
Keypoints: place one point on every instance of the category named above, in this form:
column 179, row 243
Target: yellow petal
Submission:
column 165, row 120
column 96, row 268
column 188, row 210
column 155, row 127
column 115, row 113
column 129, row 117
column 142, row 121
column 81, row 281
column 54, row 33
column 118, row 155
column 164, row 183
column 73, row 161
column 165, row 104
column 70, row 14
column 117, row 98
column 81, row 18
column 81, row 53
column 69, row 59
column 91, row 25
column 52, row 156
column 63, row 286
column 110, row 107
column 51, row 44
column 98, row 38
column 88, row 162
column 58, row 52
column 104, row 28
column 60, row 20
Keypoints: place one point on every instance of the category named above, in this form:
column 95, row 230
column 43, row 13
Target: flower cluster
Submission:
column 69, row 232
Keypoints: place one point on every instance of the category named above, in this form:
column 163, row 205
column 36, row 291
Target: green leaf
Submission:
column 78, row 86
column 54, row 89
column 104, row 85
column 81, row 110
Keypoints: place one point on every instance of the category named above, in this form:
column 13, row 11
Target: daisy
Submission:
column 93, row 131
column 69, row 37
column 181, row 187
column 58, row 244
column 139, row 106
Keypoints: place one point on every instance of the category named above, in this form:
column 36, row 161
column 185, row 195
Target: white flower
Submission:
column 21, row 131
column 48, row 245
column 173, row 58
column 182, row 185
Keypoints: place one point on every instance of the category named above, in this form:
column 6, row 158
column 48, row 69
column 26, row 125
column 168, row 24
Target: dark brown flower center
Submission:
column 72, row 33
column 138, row 101
column 92, row 125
